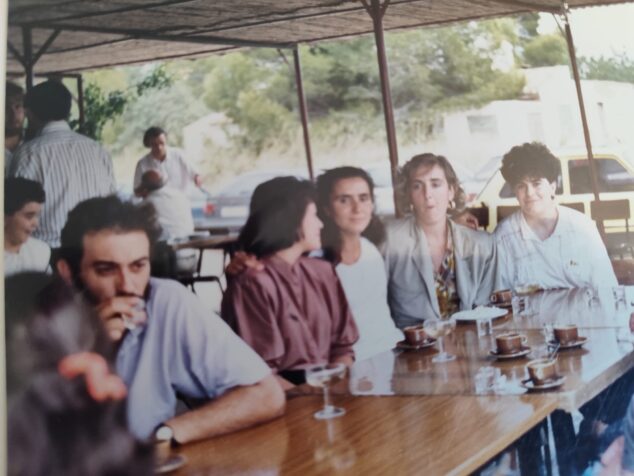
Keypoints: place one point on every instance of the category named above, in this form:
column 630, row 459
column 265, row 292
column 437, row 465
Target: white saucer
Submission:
column 554, row 383
column 482, row 312
column 522, row 353
column 173, row 463
column 570, row 345
column 405, row 346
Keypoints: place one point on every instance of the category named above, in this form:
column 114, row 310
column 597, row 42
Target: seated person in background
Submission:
column 293, row 312
column 167, row 160
column 351, row 231
column 173, row 212
column 542, row 243
column 435, row 267
column 23, row 200
column 167, row 343
column 66, row 410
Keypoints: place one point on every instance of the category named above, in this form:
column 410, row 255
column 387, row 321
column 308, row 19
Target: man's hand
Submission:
column 119, row 310
column 242, row 261
column 468, row 219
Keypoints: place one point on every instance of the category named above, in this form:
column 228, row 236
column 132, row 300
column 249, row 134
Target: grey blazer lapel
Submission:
column 425, row 267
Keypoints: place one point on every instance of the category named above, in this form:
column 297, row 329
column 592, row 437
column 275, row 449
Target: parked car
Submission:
column 227, row 211
column 574, row 189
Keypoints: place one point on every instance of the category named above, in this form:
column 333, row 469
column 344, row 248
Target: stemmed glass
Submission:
column 322, row 376
column 438, row 329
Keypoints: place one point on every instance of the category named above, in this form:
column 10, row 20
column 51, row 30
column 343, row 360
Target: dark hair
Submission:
column 54, row 425
column 49, row 101
column 276, row 212
column 19, row 191
column 105, row 213
column 330, row 233
column 428, row 160
column 532, row 160
column 12, row 90
column 151, row 133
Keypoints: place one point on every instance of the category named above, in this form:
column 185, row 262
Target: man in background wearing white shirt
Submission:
column 70, row 166
column 167, row 160
column 23, row 200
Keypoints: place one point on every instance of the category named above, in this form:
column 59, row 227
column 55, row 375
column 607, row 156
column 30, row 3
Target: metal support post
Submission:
column 303, row 111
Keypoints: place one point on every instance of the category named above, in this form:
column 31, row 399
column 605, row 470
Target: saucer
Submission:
column 521, row 353
column 552, row 383
column 570, row 345
column 405, row 346
column 173, row 463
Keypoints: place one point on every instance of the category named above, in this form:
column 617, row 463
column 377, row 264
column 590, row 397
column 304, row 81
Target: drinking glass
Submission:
column 619, row 296
column 322, row 376
column 484, row 326
column 438, row 329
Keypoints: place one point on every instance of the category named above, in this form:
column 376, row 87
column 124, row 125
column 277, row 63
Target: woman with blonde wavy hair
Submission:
column 435, row 266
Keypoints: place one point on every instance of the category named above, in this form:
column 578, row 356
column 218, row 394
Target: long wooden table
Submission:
column 408, row 415
column 434, row 435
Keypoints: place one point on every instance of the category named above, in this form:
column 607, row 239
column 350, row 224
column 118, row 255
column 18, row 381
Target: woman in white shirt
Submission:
column 544, row 244
column 351, row 229
column 23, row 200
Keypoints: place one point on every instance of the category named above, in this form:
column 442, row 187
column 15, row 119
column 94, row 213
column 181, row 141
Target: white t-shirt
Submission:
column 34, row 255
column 174, row 167
column 572, row 257
column 173, row 211
column 365, row 285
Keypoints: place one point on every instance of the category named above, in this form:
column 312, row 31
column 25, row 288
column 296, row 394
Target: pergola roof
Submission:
column 102, row 33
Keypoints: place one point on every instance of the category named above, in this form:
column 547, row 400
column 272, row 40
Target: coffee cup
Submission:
column 541, row 371
column 566, row 333
column 415, row 335
column 503, row 296
column 510, row 342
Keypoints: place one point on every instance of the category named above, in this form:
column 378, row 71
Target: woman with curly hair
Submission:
column 435, row 266
column 543, row 244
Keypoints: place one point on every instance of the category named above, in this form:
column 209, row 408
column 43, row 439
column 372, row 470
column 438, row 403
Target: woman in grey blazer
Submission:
column 435, row 267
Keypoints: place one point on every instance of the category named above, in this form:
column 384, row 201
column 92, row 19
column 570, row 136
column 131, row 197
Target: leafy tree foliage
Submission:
column 619, row 68
column 546, row 50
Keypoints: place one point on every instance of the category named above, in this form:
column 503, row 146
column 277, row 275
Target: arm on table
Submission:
column 238, row 408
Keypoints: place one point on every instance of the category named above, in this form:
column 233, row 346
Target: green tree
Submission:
column 546, row 50
column 619, row 68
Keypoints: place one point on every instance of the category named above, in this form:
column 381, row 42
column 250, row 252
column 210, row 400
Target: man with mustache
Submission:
column 168, row 345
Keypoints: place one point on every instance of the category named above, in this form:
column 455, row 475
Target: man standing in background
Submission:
column 70, row 166
column 167, row 160
column 13, row 121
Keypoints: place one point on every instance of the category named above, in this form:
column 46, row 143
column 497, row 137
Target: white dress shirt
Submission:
column 70, row 167
column 174, row 168
column 572, row 257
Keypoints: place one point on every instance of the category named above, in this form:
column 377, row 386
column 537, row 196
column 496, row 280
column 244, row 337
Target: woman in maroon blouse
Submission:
column 294, row 312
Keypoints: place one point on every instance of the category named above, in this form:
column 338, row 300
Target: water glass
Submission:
column 323, row 376
column 518, row 305
column 486, row 379
column 484, row 327
column 619, row 296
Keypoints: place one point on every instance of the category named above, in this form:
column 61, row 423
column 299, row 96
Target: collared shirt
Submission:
column 33, row 255
column 445, row 282
column 292, row 316
column 365, row 285
column 174, row 167
column 71, row 168
column 572, row 257
column 183, row 348
column 8, row 159
column 173, row 212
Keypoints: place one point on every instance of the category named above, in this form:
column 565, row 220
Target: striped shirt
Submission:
column 70, row 167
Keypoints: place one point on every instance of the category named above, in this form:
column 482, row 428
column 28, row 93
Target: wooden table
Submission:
column 434, row 435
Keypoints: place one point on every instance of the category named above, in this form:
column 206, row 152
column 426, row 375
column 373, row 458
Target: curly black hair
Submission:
column 533, row 160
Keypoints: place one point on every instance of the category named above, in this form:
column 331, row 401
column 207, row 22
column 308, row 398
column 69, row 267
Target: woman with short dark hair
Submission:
column 293, row 312
column 543, row 244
